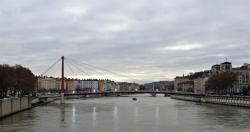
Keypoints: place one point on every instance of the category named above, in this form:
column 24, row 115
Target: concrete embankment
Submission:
column 14, row 105
column 223, row 100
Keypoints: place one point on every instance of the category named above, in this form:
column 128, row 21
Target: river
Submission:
column 122, row 114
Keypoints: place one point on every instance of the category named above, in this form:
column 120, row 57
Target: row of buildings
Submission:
column 196, row 82
column 159, row 86
column 83, row 85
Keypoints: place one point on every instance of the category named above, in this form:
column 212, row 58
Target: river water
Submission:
column 122, row 114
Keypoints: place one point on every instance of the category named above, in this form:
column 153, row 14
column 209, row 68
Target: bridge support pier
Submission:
column 62, row 98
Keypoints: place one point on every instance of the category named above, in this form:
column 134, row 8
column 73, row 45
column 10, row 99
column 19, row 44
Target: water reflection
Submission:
column 158, row 114
column 94, row 122
column 73, row 114
column 156, row 119
column 94, row 113
column 115, row 119
column 136, row 114
column 115, row 115
column 62, row 111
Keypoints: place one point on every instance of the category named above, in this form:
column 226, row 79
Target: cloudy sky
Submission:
column 148, row 40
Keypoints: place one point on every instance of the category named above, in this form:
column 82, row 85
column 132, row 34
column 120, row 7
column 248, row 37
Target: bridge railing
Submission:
column 119, row 92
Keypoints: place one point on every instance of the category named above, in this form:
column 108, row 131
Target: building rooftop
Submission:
column 215, row 65
column 242, row 68
column 182, row 77
column 226, row 62
column 200, row 74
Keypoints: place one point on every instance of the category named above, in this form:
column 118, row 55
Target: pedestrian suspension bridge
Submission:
column 76, row 68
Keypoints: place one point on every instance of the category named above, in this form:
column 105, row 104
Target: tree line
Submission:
column 220, row 83
column 16, row 80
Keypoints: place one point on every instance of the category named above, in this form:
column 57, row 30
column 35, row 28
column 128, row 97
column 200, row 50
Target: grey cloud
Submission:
column 126, row 35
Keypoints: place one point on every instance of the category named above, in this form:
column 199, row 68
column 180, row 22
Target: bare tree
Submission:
column 15, row 79
column 219, row 83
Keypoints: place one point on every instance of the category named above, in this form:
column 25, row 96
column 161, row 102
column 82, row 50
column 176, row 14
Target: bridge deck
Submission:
column 131, row 92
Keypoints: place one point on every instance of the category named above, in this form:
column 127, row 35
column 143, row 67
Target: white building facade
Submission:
column 86, row 85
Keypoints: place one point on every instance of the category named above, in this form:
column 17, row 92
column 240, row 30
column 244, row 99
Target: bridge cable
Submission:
column 68, row 70
column 106, row 70
column 47, row 70
column 77, row 67
column 90, row 68
column 71, row 70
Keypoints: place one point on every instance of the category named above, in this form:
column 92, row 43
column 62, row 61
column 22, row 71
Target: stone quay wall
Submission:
column 14, row 105
column 223, row 100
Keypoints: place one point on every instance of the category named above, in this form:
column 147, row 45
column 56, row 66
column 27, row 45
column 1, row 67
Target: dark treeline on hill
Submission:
column 15, row 80
column 219, row 83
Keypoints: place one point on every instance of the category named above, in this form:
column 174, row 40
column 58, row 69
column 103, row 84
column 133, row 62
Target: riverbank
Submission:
column 14, row 105
column 240, row 101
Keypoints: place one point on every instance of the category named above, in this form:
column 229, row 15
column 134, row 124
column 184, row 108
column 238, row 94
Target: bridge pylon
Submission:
column 62, row 83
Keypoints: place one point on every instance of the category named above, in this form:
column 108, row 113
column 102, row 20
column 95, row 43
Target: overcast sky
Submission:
column 148, row 40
